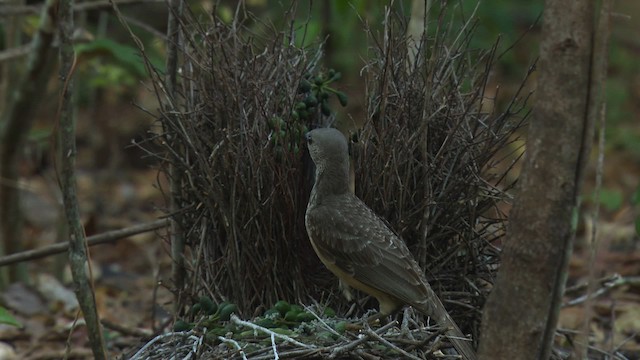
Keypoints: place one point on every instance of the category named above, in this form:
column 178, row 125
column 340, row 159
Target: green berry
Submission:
column 300, row 106
column 311, row 101
column 291, row 315
column 305, row 317
column 304, row 86
column 340, row 327
column 246, row 334
column 267, row 323
column 282, row 307
column 195, row 309
column 324, row 107
column 272, row 313
column 225, row 312
column 182, row 325
column 342, row 97
column 329, row 312
column 207, row 305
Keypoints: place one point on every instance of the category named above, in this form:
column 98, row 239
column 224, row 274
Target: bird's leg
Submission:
column 352, row 309
column 387, row 307
column 371, row 319
column 404, row 328
column 380, row 317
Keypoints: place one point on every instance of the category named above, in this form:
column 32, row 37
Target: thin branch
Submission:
column 178, row 271
column 106, row 237
column 77, row 244
column 236, row 320
column 596, row 110
column 390, row 345
column 16, row 52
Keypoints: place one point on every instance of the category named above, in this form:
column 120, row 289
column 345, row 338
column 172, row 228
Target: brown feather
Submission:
column 358, row 246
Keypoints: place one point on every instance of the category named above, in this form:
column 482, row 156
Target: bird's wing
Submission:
column 351, row 236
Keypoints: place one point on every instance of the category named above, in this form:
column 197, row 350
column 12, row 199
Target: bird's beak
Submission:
column 308, row 137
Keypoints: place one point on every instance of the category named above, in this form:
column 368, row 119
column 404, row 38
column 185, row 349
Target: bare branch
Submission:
column 106, row 237
column 77, row 243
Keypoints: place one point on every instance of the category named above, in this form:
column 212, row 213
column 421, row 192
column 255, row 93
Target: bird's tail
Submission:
column 435, row 309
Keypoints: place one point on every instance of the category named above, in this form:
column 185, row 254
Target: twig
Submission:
column 234, row 344
column 336, row 351
column 15, row 52
column 140, row 333
column 290, row 354
column 324, row 324
column 105, row 237
column 274, row 347
column 565, row 354
column 391, row 345
column 78, row 250
column 583, row 285
column 596, row 110
column 237, row 321
column 139, row 355
column 606, row 287
column 419, row 344
column 178, row 271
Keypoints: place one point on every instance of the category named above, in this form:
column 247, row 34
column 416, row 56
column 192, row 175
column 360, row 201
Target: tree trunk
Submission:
column 521, row 313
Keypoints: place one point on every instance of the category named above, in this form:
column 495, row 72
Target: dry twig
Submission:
column 106, row 237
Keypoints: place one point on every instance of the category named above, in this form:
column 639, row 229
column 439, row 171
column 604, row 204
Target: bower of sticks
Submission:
column 431, row 154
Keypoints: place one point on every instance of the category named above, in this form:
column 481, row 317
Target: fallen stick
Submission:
column 105, row 237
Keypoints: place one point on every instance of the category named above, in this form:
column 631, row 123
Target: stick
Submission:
column 105, row 237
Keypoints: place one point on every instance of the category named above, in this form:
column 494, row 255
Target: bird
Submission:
column 358, row 246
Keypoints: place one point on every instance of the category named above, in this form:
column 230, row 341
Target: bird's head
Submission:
column 327, row 146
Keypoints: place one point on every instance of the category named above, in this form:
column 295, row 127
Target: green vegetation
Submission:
column 314, row 95
column 283, row 318
column 7, row 318
column 635, row 200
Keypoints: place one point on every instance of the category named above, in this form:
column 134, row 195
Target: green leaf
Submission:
column 307, row 34
column 611, row 200
column 126, row 56
column 635, row 198
column 7, row 318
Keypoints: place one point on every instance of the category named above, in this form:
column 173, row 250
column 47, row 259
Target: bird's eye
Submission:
column 309, row 139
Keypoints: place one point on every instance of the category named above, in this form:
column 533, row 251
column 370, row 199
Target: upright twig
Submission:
column 177, row 238
column 77, row 242
column 417, row 29
column 597, row 109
